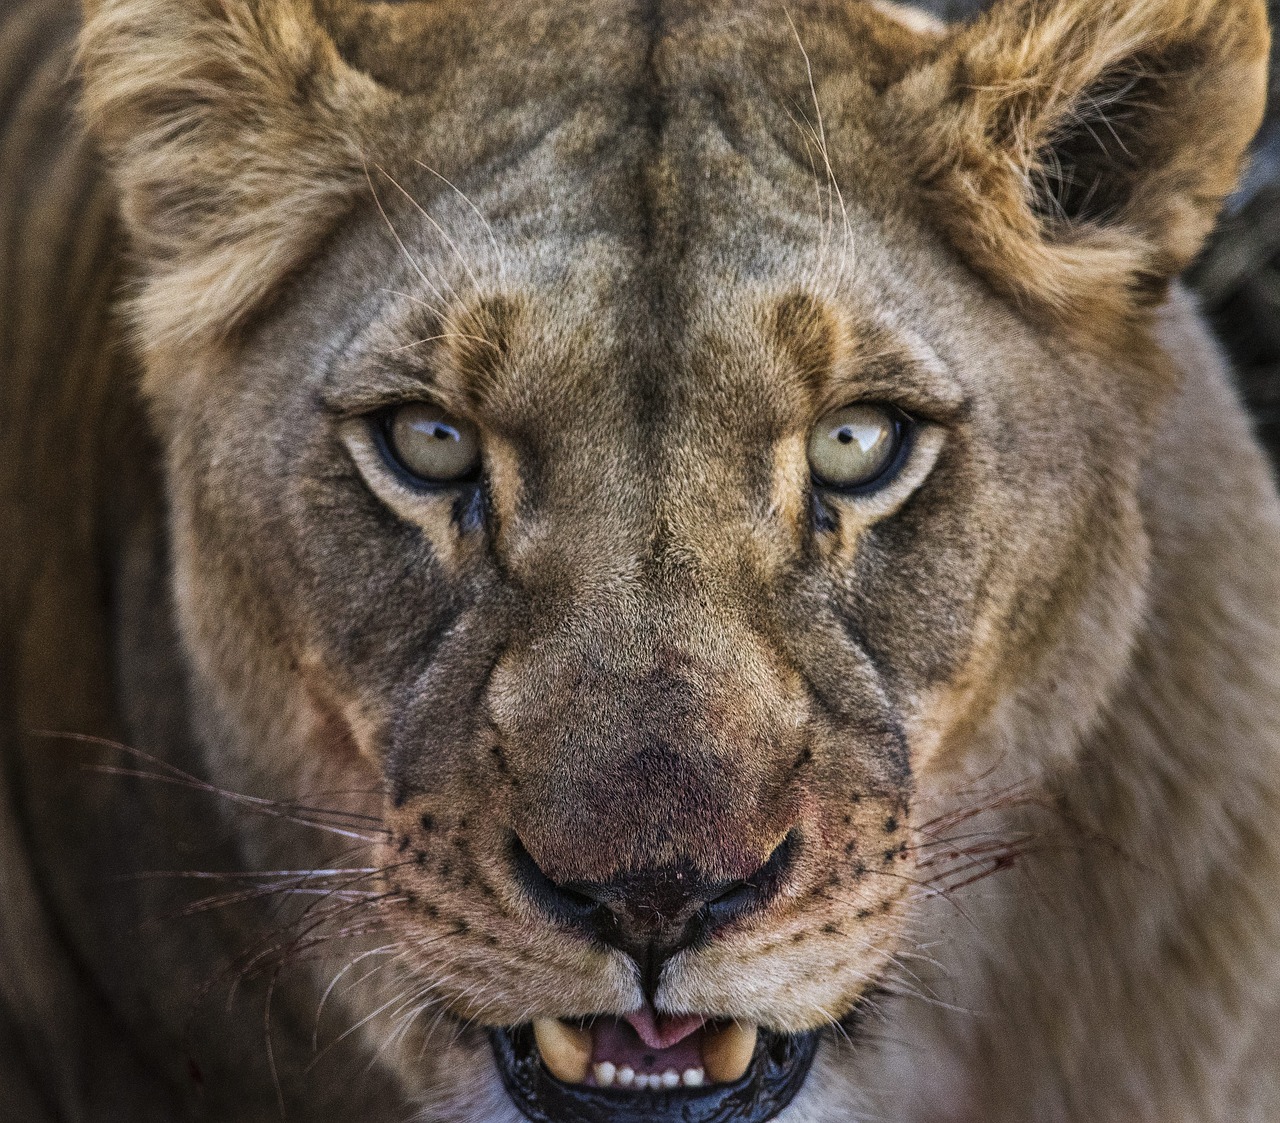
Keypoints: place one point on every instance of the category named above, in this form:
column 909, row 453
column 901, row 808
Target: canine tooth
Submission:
column 727, row 1053
column 626, row 1076
column 605, row 1072
column 671, row 1079
column 565, row 1049
column 693, row 1077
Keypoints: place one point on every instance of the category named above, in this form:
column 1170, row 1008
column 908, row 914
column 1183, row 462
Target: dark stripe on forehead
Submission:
column 477, row 340
column 805, row 331
column 651, row 105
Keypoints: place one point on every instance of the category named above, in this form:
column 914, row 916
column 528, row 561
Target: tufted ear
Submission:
column 1076, row 152
column 236, row 134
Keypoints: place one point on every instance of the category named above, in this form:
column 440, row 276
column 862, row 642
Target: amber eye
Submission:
column 858, row 446
column 429, row 444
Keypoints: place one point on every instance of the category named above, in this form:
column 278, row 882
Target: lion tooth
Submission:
column 605, row 1073
column 727, row 1053
column 565, row 1049
column 671, row 1079
column 693, row 1077
column 626, row 1076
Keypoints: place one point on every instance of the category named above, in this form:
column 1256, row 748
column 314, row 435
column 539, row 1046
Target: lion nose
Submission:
column 652, row 914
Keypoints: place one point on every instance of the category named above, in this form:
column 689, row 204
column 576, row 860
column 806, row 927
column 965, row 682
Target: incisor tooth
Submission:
column 671, row 1079
column 726, row 1053
column 626, row 1076
column 693, row 1077
column 565, row 1049
column 605, row 1072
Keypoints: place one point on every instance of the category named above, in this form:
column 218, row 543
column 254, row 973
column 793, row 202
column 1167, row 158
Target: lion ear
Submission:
column 236, row 135
column 1077, row 152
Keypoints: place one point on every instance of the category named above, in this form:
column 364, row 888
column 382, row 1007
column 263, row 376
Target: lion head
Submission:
column 654, row 457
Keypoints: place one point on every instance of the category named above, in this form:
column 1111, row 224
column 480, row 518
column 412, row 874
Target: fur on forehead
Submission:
column 1075, row 152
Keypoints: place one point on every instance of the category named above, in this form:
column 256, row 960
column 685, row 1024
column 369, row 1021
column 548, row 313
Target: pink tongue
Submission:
column 615, row 1041
column 661, row 1031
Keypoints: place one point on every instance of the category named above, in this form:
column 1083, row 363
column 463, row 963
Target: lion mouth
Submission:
column 624, row 1070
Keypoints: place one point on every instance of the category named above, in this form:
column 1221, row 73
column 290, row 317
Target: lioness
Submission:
column 615, row 560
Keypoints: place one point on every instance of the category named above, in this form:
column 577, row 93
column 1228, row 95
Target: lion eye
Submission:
column 430, row 444
column 857, row 447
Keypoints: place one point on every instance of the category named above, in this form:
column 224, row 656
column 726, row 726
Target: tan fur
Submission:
column 1014, row 711
column 981, row 116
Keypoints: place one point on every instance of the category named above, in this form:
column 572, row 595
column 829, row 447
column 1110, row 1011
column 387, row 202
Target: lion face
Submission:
column 654, row 515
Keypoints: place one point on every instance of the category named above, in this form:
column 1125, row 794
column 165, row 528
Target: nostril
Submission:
column 578, row 900
column 740, row 897
column 662, row 909
column 734, row 892
column 560, row 902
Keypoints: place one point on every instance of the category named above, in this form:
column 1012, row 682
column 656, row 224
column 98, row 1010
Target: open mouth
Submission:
column 625, row 1070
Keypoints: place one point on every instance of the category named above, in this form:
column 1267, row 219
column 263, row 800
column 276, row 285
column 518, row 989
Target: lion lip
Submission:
column 706, row 1071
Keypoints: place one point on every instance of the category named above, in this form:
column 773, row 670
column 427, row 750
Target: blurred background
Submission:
column 1238, row 275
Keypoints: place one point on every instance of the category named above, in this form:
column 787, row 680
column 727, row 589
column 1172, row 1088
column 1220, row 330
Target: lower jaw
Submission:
column 776, row 1073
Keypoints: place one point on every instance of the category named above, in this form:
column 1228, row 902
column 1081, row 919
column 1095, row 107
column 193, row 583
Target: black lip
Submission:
column 777, row 1071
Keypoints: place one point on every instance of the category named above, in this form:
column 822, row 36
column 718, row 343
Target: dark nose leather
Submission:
column 652, row 914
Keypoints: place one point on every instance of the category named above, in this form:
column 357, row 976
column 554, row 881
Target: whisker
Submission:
column 278, row 809
column 443, row 335
column 324, row 998
column 820, row 136
column 475, row 284
column 400, row 241
column 493, row 241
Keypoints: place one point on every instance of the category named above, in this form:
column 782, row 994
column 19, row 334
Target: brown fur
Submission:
column 1013, row 710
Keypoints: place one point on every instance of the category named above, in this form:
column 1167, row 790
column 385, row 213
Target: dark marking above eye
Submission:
column 806, row 332
column 890, row 824
column 428, row 822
